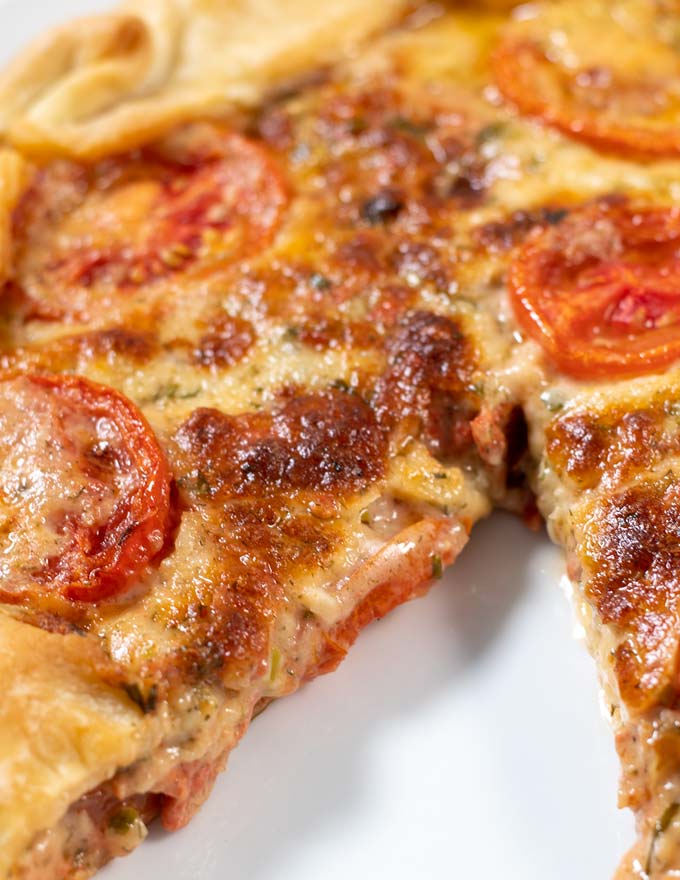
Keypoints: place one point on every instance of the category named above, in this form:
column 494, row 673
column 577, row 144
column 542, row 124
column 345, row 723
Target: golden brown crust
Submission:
column 102, row 84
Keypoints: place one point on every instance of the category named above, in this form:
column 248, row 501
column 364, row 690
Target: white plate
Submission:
column 461, row 739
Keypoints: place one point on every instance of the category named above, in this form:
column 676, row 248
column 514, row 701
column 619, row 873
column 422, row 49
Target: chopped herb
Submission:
column 341, row 385
column 551, row 403
column 320, row 282
column 440, row 475
column 382, row 208
column 437, row 567
column 291, row 333
column 408, row 126
column 490, row 132
column 365, row 517
column 660, row 828
column 202, row 484
column 123, row 820
column 146, row 702
column 172, row 391
column 357, row 125
column 554, row 216
column 274, row 664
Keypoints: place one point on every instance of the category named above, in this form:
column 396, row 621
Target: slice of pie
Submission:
column 282, row 320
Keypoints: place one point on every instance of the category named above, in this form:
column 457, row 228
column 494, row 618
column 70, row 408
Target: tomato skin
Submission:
column 601, row 294
column 203, row 199
column 538, row 87
column 98, row 560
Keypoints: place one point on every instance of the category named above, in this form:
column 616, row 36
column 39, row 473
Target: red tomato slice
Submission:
column 596, row 106
column 601, row 291
column 84, row 489
column 206, row 198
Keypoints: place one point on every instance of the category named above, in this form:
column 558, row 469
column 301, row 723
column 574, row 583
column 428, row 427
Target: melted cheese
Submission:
column 295, row 589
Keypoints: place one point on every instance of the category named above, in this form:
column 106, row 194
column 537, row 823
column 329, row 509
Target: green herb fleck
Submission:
column 437, row 567
column 440, row 475
column 202, row 484
column 490, row 132
column 172, row 391
column 551, row 403
column 660, row 828
column 554, row 216
column 123, row 820
column 408, row 126
column 320, row 282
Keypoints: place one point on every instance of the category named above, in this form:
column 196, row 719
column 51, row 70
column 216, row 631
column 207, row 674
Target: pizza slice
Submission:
column 599, row 292
column 242, row 416
column 269, row 353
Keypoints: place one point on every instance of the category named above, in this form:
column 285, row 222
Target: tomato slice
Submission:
column 601, row 291
column 608, row 110
column 204, row 198
column 84, row 489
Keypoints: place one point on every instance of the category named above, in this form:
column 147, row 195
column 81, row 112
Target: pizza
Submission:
column 292, row 298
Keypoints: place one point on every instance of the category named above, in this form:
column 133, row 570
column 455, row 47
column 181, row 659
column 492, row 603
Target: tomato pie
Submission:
column 291, row 298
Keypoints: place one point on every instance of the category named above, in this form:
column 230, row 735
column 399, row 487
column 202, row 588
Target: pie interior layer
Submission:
column 261, row 376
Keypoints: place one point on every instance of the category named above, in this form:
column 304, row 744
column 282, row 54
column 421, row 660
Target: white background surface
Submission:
column 461, row 739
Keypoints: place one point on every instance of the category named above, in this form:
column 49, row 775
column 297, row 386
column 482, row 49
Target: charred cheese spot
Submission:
column 590, row 447
column 322, row 333
column 503, row 235
column 327, row 441
column 220, row 594
column 430, row 367
column 382, row 178
column 395, row 155
column 632, row 551
column 70, row 353
column 228, row 340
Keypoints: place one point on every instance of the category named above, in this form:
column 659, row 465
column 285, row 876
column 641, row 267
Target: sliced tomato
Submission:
column 205, row 198
column 596, row 105
column 84, row 489
column 601, row 291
